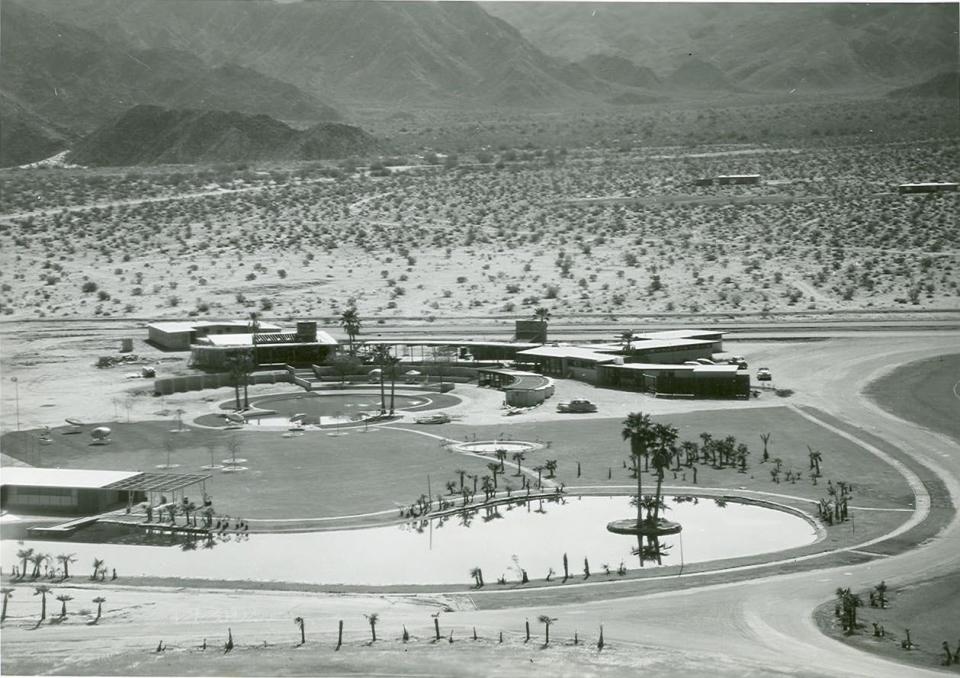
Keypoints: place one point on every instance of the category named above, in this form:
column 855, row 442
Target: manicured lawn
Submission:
column 317, row 475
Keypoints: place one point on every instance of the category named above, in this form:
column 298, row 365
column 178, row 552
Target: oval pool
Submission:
column 334, row 405
column 530, row 536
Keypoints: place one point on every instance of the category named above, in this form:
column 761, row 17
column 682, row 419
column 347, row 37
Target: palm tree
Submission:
column 494, row 469
column 501, row 457
column 350, row 322
column 542, row 314
column 38, row 559
column 546, row 621
column 24, row 555
column 518, row 457
column 881, row 590
column 7, row 592
column 381, row 355
column 373, row 619
column 627, row 337
column 97, row 564
column 393, row 368
column 42, row 590
column 299, row 622
column 815, row 458
column 765, row 437
column 65, row 560
column 551, row 467
column 99, row 600
column 638, row 429
column 663, row 452
column 64, row 598
column 477, row 575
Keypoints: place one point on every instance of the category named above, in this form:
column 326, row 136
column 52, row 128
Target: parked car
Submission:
column 763, row 374
column 576, row 405
column 705, row 361
column 439, row 418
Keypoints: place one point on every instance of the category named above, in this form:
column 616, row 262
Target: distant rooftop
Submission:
column 246, row 339
column 175, row 326
column 576, row 352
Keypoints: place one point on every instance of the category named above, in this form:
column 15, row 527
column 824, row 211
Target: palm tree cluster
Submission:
column 657, row 445
column 835, row 507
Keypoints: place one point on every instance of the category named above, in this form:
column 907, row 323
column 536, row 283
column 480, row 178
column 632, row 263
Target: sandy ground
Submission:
column 761, row 627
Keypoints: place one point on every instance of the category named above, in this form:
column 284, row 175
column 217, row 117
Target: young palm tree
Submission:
column 381, row 355
column 551, row 467
column 7, row 592
column 99, row 600
column 65, row 560
column 24, row 555
column 765, row 437
column 627, row 337
column 64, row 599
column 477, row 575
column 638, row 429
column 350, row 322
column 42, row 590
column 97, row 564
column 815, row 458
column 494, row 469
column 546, row 621
column 372, row 619
column 38, row 559
column 518, row 457
column 299, row 622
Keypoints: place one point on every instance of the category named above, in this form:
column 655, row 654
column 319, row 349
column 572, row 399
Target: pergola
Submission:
column 149, row 483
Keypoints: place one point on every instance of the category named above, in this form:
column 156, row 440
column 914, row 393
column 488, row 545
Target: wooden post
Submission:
column 340, row 635
column 436, row 627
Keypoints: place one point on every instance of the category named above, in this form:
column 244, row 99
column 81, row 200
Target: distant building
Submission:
column 303, row 346
column 177, row 336
column 727, row 179
column 533, row 331
column 932, row 187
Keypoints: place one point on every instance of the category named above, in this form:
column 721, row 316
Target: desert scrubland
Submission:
column 494, row 232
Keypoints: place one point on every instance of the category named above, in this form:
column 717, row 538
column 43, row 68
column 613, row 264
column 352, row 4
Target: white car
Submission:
column 763, row 374
column 576, row 405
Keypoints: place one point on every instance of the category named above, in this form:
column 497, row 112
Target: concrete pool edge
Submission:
column 213, row 419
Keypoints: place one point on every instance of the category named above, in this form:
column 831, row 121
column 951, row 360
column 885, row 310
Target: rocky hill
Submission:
column 150, row 135
column 59, row 74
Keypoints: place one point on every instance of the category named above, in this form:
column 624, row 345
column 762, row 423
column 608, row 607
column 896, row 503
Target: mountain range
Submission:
column 70, row 67
column 758, row 46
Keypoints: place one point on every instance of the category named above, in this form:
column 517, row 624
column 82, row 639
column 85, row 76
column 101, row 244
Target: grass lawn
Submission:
column 930, row 609
column 598, row 446
column 319, row 475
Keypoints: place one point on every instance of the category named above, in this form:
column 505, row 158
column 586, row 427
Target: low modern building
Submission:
column 694, row 381
column 569, row 362
column 303, row 346
column 929, row 187
column 521, row 389
column 178, row 336
column 727, row 179
column 33, row 490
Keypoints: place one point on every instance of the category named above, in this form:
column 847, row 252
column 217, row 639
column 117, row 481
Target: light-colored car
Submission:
column 576, row 405
column 763, row 374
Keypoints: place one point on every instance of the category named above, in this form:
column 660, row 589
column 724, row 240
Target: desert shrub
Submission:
column 89, row 287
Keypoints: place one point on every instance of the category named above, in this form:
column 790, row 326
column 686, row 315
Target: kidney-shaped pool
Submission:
column 532, row 536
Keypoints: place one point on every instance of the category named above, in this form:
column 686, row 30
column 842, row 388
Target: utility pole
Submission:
column 16, row 387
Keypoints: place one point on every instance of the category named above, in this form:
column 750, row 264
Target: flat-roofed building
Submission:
column 929, row 187
column 304, row 346
column 179, row 335
column 694, row 381
column 33, row 490
column 568, row 362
